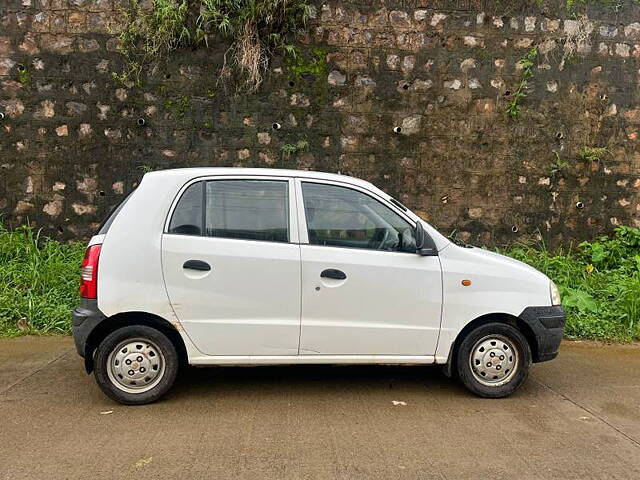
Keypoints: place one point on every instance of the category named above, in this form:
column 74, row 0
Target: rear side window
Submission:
column 241, row 209
column 106, row 223
column 248, row 209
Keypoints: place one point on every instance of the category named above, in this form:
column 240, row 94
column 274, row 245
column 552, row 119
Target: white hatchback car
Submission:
column 229, row 266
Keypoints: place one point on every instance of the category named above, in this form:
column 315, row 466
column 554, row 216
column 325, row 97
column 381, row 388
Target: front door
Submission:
column 231, row 263
column 364, row 289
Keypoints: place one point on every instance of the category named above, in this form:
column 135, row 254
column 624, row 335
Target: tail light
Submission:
column 89, row 272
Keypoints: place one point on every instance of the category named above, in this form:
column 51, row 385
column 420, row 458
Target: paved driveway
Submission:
column 577, row 417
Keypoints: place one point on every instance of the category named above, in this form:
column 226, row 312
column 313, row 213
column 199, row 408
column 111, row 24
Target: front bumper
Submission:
column 547, row 325
column 84, row 320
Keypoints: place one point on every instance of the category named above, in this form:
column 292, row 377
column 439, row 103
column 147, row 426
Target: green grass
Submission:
column 39, row 281
column 599, row 281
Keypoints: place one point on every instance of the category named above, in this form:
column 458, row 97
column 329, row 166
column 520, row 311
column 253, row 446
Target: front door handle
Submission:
column 197, row 265
column 333, row 273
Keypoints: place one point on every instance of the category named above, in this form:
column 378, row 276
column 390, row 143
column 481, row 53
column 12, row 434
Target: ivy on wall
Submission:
column 254, row 31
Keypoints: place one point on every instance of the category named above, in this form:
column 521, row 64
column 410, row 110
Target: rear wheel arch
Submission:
column 506, row 318
column 111, row 324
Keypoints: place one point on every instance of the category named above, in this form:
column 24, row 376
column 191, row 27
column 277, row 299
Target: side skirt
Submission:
column 315, row 359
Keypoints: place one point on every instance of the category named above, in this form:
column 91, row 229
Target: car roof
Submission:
column 190, row 173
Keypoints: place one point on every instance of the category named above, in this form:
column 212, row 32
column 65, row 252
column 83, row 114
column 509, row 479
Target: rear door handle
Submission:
column 333, row 273
column 196, row 265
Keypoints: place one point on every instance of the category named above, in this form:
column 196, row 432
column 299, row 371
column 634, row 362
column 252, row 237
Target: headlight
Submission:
column 555, row 294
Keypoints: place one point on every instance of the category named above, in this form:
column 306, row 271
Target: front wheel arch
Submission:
column 489, row 318
column 111, row 324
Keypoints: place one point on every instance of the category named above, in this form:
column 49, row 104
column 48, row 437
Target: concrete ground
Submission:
column 576, row 417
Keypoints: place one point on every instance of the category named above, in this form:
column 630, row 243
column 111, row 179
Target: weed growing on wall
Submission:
column 254, row 30
column 526, row 64
column 24, row 76
column 151, row 34
column 573, row 5
column 592, row 154
column 289, row 149
column 558, row 165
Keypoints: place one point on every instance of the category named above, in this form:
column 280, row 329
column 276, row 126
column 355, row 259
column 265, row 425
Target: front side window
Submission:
column 247, row 209
column 343, row 217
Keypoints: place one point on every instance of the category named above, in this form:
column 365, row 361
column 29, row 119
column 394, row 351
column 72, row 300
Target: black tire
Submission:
column 155, row 347
column 480, row 341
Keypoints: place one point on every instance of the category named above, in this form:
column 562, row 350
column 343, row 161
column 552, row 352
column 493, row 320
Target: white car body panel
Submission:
column 499, row 284
column 398, row 311
column 389, row 304
column 247, row 304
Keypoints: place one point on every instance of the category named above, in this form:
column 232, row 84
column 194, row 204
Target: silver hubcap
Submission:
column 494, row 360
column 136, row 365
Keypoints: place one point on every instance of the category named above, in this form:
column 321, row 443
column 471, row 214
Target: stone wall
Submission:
column 73, row 140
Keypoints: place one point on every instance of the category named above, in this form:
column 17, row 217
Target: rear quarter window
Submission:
column 106, row 223
column 187, row 217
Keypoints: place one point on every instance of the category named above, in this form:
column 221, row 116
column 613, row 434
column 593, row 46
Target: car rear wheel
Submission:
column 493, row 360
column 135, row 365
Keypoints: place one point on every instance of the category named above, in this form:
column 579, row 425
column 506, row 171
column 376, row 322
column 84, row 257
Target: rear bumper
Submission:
column 547, row 324
column 84, row 319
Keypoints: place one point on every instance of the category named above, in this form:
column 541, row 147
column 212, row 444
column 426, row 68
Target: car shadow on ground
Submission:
column 314, row 378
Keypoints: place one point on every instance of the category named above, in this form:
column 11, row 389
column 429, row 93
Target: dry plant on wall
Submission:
column 254, row 31
column 577, row 36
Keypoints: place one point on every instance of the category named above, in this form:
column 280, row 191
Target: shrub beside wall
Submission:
column 599, row 280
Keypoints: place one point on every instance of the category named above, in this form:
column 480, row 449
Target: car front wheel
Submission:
column 493, row 360
column 136, row 364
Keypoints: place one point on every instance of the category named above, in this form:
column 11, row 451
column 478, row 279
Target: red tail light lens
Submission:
column 89, row 272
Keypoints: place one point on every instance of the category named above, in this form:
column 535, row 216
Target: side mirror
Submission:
column 424, row 244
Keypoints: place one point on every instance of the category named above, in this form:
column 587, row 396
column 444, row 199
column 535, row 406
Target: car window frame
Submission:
column 302, row 217
column 292, row 221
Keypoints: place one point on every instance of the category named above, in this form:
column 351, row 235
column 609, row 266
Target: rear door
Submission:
column 231, row 264
column 365, row 291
